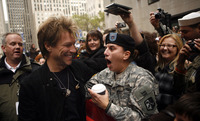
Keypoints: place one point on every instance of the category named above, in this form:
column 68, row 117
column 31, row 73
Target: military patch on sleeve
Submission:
column 150, row 104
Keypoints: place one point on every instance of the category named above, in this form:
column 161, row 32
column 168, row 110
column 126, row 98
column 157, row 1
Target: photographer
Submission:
column 190, row 31
column 161, row 22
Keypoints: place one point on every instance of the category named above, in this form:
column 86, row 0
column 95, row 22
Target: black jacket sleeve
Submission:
column 145, row 59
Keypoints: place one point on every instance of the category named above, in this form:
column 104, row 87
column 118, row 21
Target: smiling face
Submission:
column 13, row 48
column 93, row 43
column 116, row 57
column 63, row 52
column 168, row 49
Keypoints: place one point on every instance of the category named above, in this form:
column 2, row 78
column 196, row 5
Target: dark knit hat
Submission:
column 123, row 40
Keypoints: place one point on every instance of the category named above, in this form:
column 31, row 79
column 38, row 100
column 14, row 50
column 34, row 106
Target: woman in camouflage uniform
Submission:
column 131, row 90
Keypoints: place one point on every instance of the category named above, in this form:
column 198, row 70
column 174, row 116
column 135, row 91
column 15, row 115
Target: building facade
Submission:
column 19, row 20
column 2, row 25
column 142, row 8
column 94, row 7
column 2, row 20
column 42, row 9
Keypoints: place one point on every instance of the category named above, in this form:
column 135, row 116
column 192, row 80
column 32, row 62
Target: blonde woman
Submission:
column 168, row 49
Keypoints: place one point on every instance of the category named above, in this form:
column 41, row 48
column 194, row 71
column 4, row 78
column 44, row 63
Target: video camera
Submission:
column 164, row 17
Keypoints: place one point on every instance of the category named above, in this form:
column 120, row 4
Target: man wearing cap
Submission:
column 131, row 90
column 190, row 31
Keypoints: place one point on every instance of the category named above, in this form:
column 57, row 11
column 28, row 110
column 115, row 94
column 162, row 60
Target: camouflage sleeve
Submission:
column 89, row 84
column 145, row 97
column 142, row 102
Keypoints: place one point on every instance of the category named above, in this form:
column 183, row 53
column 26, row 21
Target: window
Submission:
column 152, row 1
column 41, row 7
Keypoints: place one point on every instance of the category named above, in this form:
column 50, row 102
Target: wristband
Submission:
column 108, row 106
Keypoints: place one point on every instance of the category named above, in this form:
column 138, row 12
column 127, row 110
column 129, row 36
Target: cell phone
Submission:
column 121, row 25
column 117, row 9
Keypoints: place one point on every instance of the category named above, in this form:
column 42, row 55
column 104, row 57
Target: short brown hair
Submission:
column 50, row 32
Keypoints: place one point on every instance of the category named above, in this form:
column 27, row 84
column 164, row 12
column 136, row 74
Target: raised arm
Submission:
column 134, row 31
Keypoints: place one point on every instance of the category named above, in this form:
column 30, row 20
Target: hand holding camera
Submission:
column 164, row 17
column 195, row 46
column 154, row 21
column 121, row 25
column 192, row 46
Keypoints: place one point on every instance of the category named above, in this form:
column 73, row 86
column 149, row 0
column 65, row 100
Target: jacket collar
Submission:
column 25, row 63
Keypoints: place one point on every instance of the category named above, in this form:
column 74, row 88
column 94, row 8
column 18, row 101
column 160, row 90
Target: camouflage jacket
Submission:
column 132, row 94
column 192, row 70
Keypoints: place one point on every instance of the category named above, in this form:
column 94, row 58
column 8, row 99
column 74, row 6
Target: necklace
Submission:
column 62, row 86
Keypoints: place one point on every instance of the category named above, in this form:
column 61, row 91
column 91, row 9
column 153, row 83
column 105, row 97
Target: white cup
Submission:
column 99, row 88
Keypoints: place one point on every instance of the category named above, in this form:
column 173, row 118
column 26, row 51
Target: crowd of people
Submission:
column 148, row 77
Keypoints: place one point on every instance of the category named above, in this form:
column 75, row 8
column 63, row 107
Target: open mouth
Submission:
column 17, row 52
column 108, row 61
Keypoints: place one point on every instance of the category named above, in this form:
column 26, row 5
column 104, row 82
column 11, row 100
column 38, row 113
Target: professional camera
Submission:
column 160, row 14
column 194, row 49
column 164, row 17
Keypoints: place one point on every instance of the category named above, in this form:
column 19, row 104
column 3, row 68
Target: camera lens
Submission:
column 157, row 15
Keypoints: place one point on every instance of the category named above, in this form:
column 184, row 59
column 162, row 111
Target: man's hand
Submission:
column 100, row 100
column 127, row 18
column 184, row 53
column 197, row 43
column 134, row 31
column 154, row 21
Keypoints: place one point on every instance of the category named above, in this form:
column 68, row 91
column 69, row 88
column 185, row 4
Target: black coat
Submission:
column 41, row 100
column 145, row 59
column 95, row 60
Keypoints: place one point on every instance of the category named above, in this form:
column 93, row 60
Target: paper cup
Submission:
column 99, row 88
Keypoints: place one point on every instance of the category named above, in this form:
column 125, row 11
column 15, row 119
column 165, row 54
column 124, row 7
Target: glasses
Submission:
column 167, row 45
